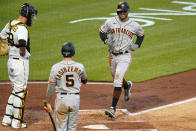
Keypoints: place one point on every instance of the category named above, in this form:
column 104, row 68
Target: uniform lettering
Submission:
column 64, row 70
column 123, row 31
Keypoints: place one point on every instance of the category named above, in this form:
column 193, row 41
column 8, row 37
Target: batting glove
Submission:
column 47, row 107
column 108, row 41
column 134, row 47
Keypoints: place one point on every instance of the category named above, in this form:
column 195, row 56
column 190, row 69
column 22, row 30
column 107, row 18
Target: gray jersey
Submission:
column 121, row 34
column 67, row 76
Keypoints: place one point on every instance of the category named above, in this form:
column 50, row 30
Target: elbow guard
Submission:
column 139, row 40
column 103, row 36
column 21, row 43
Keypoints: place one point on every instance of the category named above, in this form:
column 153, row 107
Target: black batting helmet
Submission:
column 68, row 49
column 29, row 12
column 123, row 7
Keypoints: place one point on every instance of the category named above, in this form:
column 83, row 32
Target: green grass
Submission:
column 168, row 48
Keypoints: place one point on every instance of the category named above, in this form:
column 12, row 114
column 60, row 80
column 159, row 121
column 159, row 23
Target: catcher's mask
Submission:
column 68, row 49
column 122, row 7
column 29, row 12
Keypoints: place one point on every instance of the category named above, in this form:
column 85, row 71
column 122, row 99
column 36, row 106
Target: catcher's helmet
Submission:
column 123, row 7
column 29, row 12
column 68, row 49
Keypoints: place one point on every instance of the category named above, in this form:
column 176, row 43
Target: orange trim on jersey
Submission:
column 101, row 30
column 52, row 82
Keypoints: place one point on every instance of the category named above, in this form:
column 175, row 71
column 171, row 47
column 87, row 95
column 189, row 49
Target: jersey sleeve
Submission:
column 52, row 78
column 83, row 74
column 3, row 33
column 139, row 30
column 105, row 28
column 22, row 33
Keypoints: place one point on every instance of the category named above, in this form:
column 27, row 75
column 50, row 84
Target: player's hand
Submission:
column 108, row 41
column 47, row 106
column 134, row 47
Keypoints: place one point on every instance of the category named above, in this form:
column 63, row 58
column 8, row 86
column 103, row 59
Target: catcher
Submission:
column 17, row 35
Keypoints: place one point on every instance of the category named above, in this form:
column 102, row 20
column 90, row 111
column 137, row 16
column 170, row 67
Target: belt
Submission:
column 15, row 58
column 18, row 58
column 119, row 53
column 62, row 93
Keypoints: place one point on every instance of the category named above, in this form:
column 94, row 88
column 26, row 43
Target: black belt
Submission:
column 15, row 58
column 62, row 93
column 18, row 58
column 119, row 53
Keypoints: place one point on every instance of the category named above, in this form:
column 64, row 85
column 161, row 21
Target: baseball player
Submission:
column 66, row 77
column 17, row 34
column 121, row 32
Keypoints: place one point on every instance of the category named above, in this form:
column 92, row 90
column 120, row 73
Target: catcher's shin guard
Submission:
column 18, row 109
column 7, row 119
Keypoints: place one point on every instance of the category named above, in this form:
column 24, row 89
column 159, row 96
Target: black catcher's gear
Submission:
column 29, row 12
column 123, row 7
column 68, row 49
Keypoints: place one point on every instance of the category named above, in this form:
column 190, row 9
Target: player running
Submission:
column 121, row 32
column 66, row 77
column 17, row 35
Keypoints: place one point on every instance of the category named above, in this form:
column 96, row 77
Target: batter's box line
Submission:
column 144, row 111
column 157, row 108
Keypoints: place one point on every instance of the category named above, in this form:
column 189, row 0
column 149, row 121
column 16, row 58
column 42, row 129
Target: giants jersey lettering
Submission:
column 121, row 33
column 67, row 76
column 18, row 32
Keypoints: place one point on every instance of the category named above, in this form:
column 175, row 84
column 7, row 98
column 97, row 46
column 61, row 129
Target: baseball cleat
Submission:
column 19, row 125
column 127, row 93
column 110, row 112
column 6, row 121
column 5, row 124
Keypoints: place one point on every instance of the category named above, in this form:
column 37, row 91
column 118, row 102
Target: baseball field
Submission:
column 163, row 70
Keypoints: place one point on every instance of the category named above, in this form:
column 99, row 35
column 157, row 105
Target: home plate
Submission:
column 98, row 126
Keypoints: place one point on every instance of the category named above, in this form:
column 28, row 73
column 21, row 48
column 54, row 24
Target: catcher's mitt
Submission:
column 3, row 49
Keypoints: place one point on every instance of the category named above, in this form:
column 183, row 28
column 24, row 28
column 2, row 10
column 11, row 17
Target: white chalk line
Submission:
column 158, row 108
column 145, row 111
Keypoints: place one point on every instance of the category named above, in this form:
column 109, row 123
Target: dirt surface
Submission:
column 97, row 97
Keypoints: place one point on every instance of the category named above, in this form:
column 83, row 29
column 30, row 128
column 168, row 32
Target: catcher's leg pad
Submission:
column 7, row 119
column 18, row 106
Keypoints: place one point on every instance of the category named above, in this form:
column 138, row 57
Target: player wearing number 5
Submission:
column 66, row 77
column 17, row 35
